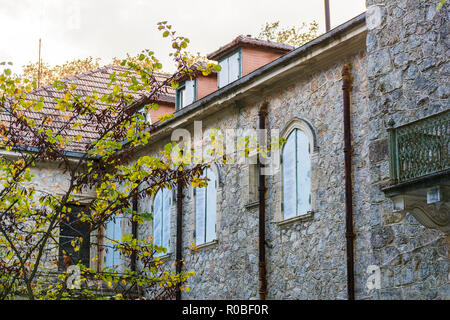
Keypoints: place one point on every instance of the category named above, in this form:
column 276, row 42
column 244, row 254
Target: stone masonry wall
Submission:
column 408, row 70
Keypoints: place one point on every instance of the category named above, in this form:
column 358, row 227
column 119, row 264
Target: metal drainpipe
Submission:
column 100, row 239
column 134, row 232
column 179, row 242
column 262, row 209
column 349, row 234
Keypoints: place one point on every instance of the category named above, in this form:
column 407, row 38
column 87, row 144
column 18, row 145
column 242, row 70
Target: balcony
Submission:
column 420, row 169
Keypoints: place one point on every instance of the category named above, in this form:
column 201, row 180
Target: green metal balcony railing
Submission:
column 419, row 148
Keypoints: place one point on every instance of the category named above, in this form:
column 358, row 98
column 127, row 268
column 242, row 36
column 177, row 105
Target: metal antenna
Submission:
column 327, row 15
column 39, row 65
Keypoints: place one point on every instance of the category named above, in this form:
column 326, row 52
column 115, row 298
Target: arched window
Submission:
column 296, row 170
column 113, row 236
column 161, row 218
column 205, row 209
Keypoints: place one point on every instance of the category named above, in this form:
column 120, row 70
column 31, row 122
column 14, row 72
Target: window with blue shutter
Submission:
column 161, row 218
column 296, row 171
column 113, row 237
column 205, row 210
column 222, row 76
column 186, row 94
column 231, row 69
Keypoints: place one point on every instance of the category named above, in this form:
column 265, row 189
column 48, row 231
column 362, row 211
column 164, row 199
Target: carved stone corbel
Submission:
column 434, row 215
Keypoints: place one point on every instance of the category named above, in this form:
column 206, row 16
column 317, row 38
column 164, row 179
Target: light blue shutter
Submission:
column 211, row 207
column 148, row 117
column 189, row 92
column 222, row 76
column 303, row 173
column 289, row 178
column 157, row 217
column 113, row 232
column 117, row 237
column 109, row 250
column 166, row 219
column 234, row 67
column 200, row 215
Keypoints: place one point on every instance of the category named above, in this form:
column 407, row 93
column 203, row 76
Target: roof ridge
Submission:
column 70, row 78
column 92, row 73
column 246, row 40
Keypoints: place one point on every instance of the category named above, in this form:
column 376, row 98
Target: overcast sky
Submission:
column 110, row 28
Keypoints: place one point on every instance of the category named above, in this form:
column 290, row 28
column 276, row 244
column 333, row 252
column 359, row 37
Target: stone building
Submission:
column 398, row 53
column 392, row 64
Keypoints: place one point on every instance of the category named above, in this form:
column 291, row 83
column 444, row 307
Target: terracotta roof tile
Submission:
column 88, row 82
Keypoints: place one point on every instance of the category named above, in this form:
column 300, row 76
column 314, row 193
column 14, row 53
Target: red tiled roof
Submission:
column 248, row 41
column 88, row 82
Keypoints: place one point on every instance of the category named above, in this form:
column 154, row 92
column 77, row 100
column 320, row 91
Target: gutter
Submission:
column 70, row 154
column 349, row 233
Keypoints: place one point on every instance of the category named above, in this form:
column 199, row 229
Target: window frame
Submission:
column 180, row 89
column 205, row 209
column 297, row 213
column 83, row 249
column 111, row 251
column 237, row 51
column 171, row 197
column 307, row 128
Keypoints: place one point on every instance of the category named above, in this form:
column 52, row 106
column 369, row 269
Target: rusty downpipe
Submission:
column 134, row 231
column 100, row 248
column 179, row 242
column 262, row 207
column 349, row 234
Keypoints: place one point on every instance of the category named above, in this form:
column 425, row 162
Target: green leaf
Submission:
column 174, row 84
column 127, row 238
column 440, row 5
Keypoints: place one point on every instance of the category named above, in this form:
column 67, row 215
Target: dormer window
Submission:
column 231, row 68
column 186, row 93
column 244, row 55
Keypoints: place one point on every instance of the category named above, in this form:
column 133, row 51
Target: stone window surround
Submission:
column 250, row 170
column 278, row 217
column 215, row 168
column 207, row 245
